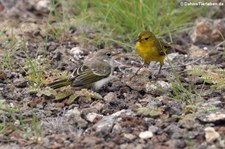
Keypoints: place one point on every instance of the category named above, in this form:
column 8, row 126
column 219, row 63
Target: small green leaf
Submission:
column 145, row 111
column 96, row 95
column 62, row 95
column 71, row 99
column 46, row 91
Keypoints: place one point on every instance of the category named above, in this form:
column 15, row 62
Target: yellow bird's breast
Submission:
column 149, row 52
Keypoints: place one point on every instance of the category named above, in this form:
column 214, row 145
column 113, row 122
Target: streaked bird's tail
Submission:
column 60, row 83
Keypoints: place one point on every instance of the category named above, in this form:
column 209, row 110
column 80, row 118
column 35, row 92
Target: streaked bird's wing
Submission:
column 59, row 83
column 85, row 76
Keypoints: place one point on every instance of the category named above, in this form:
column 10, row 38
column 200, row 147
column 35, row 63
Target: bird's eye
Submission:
column 109, row 54
column 146, row 38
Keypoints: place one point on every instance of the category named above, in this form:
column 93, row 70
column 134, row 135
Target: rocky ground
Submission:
column 179, row 109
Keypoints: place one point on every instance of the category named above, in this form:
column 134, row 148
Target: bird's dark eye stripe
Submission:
column 146, row 38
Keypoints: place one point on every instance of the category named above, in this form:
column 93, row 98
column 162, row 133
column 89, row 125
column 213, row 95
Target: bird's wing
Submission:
column 84, row 75
column 164, row 47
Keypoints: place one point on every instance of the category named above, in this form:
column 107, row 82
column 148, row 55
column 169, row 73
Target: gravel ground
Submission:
column 140, row 113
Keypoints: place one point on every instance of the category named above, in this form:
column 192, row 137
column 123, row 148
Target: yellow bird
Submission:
column 149, row 48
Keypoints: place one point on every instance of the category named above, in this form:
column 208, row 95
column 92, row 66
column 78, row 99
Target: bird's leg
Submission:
column 137, row 71
column 160, row 68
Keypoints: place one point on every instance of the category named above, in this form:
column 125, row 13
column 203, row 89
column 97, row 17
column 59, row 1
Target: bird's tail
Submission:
column 60, row 83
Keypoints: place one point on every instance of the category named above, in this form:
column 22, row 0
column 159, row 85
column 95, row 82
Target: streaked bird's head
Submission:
column 105, row 55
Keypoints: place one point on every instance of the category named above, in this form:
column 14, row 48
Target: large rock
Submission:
column 207, row 31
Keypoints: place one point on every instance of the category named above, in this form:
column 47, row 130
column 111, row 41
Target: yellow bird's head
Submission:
column 145, row 37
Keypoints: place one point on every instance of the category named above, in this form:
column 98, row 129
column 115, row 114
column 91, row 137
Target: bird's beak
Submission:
column 116, row 54
column 137, row 40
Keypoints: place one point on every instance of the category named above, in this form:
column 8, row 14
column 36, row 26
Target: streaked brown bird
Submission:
column 94, row 73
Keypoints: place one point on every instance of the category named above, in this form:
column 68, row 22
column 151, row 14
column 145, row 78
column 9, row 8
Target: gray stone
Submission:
column 74, row 116
column 110, row 96
column 105, row 125
column 20, row 82
column 157, row 88
column 153, row 129
column 215, row 117
column 177, row 143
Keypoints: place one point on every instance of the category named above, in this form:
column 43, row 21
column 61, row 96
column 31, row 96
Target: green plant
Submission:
column 35, row 66
column 13, row 120
column 9, row 47
column 70, row 95
column 120, row 21
column 116, row 18
column 210, row 74
column 179, row 91
column 58, row 20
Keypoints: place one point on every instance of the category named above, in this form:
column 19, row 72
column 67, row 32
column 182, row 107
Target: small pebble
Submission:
column 211, row 135
column 92, row 116
column 146, row 135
